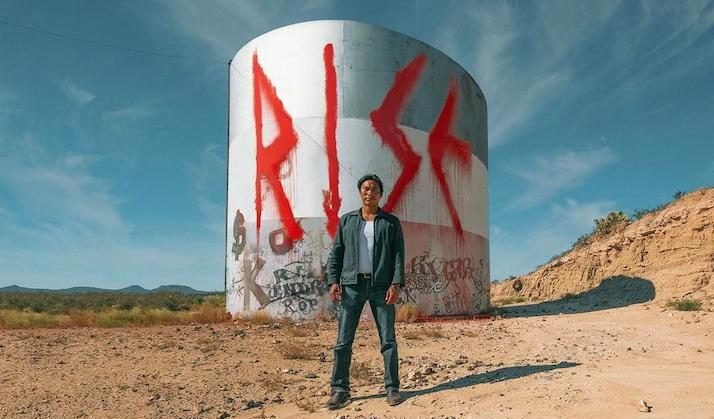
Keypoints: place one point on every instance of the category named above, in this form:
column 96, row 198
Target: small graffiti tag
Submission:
column 297, row 288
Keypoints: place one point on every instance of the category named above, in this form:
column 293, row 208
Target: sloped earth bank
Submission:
column 532, row 362
column 671, row 250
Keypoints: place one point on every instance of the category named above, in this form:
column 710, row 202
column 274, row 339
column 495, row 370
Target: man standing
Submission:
column 366, row 264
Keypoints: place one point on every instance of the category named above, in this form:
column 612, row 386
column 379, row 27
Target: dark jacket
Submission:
column 388, row 257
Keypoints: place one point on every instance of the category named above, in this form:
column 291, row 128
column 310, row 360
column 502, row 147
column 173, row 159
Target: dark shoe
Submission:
column 394, row 397
column 338, row 400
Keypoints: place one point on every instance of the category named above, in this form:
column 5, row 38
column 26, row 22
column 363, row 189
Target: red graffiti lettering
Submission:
column 385, row 121
column 441, row 142
column 270, row 158
column 279, row 243
column 331, row 198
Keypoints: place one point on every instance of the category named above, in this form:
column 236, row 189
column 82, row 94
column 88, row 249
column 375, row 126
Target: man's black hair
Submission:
column 370, row 177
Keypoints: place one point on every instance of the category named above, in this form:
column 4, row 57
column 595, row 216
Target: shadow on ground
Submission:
column 501, row 374
column 618, row 291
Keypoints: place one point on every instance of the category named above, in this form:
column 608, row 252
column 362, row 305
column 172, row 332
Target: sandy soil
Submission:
column 586, row 363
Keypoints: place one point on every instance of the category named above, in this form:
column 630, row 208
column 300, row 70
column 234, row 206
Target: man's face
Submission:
column 370, row 193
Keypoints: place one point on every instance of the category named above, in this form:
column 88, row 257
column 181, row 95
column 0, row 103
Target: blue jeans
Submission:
column 351, row 304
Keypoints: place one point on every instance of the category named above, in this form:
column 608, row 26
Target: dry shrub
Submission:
column 295, row 350
column 360, row 370
column 326, row 315
column 302, row 331
column 435, row 332
column 685, row 305
column 274, row 383
column 470, row 333
column 206, row 345
column 407, row 313
column 412, row 334
column 308, row 404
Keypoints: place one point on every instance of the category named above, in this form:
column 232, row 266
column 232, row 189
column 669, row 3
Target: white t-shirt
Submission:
column 366, row 247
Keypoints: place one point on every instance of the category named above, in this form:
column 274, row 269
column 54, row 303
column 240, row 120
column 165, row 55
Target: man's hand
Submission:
column 392, row 294
column 335, row 292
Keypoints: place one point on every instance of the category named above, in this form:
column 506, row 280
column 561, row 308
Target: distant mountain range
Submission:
column 134, row 289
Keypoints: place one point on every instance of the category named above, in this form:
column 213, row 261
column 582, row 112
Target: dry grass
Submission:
column 407, row 313
column 295, row 350
column 302, row 331
column 260, row 317
column 204, row 313
column 508, row 300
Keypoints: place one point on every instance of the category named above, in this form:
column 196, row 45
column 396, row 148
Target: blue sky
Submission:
column 112, row 160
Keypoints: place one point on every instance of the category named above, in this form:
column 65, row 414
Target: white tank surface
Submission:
column 313, row 107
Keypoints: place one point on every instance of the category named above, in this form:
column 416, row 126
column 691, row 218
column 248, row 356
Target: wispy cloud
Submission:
column 519, row 85
column 533, row 57
column 709, row 173
column 61, row 225
column 5, row 213
column 59, row 190
column 75, row 93
column 133, row 112
column 546, row 177
column 581, row 215
column 208, row 177
column 519, row 251
column 228, row 24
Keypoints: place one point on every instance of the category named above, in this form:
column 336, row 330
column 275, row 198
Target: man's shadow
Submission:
column 501, row 374
column 613, row 292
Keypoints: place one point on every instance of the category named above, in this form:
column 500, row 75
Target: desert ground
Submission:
column 534, row 360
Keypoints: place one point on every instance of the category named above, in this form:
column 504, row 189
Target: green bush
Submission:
column 610, row 223
column 685, row 305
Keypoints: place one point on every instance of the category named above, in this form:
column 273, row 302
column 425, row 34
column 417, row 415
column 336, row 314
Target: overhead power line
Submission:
column 108, row 45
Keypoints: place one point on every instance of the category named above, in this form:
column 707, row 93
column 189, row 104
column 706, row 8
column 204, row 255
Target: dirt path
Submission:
column 583, row 364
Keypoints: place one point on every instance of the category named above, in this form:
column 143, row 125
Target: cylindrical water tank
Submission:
column 313, row 107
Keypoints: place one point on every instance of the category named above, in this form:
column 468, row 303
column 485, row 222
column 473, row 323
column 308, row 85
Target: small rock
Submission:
column 427, row 370
column 224, row 415
column 252, row 404
column 644, row 407
column 310, row 375
column 414, row 375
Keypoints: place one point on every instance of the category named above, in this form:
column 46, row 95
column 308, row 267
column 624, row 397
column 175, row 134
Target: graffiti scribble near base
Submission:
column 291, row 282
